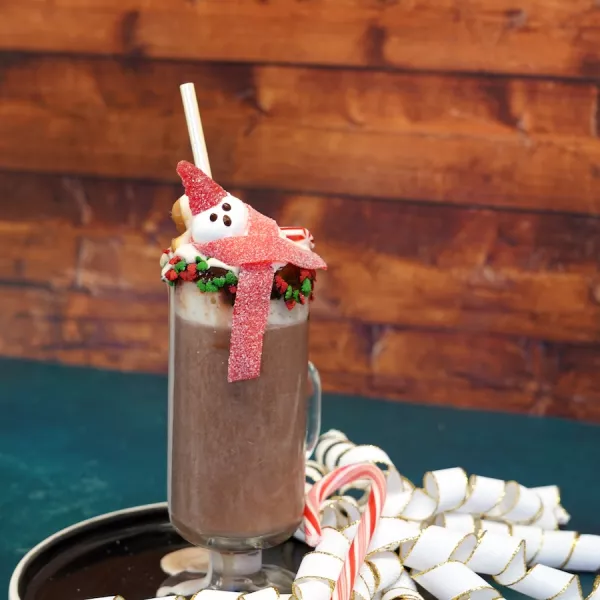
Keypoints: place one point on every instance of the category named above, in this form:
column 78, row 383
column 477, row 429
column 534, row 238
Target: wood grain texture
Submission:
column 527, row 37
column 573, row 373
column 447, row 139
column 389, row 263
column 447, row 305
column 450, row 368
column 444, row 154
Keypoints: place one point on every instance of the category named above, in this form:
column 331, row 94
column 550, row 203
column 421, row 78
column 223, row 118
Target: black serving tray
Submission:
column 117, row 553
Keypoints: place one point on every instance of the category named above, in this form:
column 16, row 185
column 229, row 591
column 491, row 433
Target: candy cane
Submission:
column 296, row 234
column 300, row 235
column 358, row 549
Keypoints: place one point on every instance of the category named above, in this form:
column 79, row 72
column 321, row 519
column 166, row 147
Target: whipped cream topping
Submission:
column 213, row 310
column 189, row 253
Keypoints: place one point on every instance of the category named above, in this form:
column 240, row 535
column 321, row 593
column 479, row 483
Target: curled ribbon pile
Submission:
column 444, row 535
column 381, row 535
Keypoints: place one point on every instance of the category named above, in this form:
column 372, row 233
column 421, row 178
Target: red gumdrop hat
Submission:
column 204, row 193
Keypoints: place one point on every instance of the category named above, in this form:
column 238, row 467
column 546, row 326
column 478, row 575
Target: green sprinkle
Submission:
column 180, row 266
column 201, row 265
column 219, row 282
column 296, row 295
column 211, row 287
column 230, row 278
column 171, row 283
column 289, row 292
column 306, row 287
column 201, row 286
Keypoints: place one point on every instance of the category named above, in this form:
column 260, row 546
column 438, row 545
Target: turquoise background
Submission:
column 78, row 442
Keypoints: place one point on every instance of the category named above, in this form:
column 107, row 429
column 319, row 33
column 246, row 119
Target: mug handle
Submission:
column 313, row 420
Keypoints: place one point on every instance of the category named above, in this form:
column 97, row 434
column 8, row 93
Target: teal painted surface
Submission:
column 78, row 442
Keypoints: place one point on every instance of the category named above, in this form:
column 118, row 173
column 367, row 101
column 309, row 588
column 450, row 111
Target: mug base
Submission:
column 233, row 543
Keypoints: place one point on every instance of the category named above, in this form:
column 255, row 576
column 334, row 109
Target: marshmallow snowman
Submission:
column 209, row 211
column 256, row 243
column 228, row 218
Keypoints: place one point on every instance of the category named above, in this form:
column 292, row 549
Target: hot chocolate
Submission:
column 237, row 450
column 240, row 289
column 238, row 370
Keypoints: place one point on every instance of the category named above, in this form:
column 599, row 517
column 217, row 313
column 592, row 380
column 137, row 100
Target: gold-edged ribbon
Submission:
column 445, row 534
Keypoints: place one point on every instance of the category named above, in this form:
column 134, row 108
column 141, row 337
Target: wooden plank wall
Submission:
column 444, row 154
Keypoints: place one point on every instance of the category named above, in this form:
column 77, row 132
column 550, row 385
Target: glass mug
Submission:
column 237, row 451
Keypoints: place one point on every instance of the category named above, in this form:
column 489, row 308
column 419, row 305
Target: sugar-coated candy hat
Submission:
column 204, row 193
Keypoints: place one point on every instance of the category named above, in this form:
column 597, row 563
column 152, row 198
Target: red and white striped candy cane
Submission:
column 368, row 522
column 299, row 235
column 296, row 234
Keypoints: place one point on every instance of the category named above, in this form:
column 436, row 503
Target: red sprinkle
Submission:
column 233, row 289
column 175, row 260
column 304, row 273
column 191, row 268
column 171, row 275
column 280, row 284
column 290, row 304
column 302, row 298
column 188, row 275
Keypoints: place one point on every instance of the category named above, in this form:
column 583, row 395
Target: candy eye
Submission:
column 226, row 220
column 226, row 206
column 213, row 217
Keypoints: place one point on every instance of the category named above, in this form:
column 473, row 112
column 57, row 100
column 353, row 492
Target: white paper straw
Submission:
column 194, row 125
